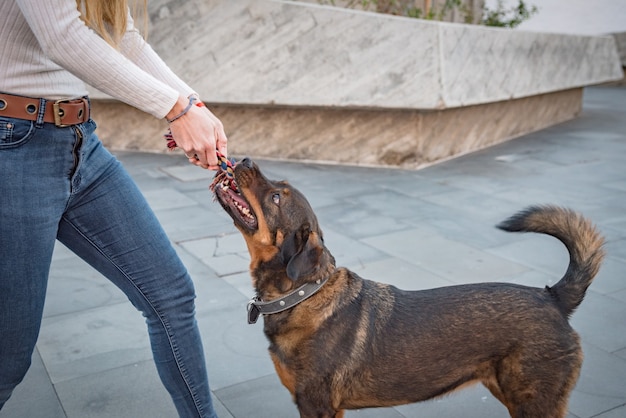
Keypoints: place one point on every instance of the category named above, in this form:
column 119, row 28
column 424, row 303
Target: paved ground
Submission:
column 415, row 229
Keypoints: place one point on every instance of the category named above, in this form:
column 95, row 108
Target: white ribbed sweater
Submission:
column 46, row 50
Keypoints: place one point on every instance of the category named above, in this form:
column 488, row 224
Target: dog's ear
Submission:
column 301, row 252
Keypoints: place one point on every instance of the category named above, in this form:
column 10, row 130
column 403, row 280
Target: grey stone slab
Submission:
column 61, row 252
column 242, row 282
column 130, row 391
column 452, row 260
column 601, row 386
column 611, row 277
column 35, row 397
column 212, row 292
column 617, row 223
column 264, row 397
column 230, row 244
column 401, row 274
column 621, row 296
column 536, row 251
column 235, row 350
column 608, row 211
column 417, row 186
column 620, row 353
column 356, row 220
column 94, row 341
column 188, row 172
column 533, row 278
column 471, row 402
column 374, row 413
column 167, row 199
column 250, row 399
column 597, row 314
column 216, row 294
column 137, row 161
column 223, row 263
column 490, row 209
column 535, row 195
column 349, row 252
column 203, row 196
column 429, row 214
column 391, row 203
column 192, row 222
column 75, row 286
column 617, row 248
column 619, row 412
column 617, row 185
column 464, row 227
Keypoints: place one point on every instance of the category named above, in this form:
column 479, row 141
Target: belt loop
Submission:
column 88, row 101
column 40, row 114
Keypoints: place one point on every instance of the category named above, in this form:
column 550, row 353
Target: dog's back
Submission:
column 582, row 241
column 514, row 339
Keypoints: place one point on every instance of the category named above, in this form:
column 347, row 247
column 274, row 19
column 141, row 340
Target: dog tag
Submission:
column 253, row 313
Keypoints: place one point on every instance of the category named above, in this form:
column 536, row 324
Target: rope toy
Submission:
column 225, row 165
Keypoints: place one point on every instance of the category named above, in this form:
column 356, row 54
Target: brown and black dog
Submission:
column 341, row 342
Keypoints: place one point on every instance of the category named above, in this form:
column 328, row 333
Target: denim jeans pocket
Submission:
column 15, row 132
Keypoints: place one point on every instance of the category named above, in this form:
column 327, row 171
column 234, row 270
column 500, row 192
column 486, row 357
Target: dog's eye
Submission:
column 276, row 198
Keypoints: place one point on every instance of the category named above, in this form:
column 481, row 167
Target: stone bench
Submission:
column 301, row 81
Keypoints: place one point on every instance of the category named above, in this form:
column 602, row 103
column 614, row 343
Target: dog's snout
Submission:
column 246, row 162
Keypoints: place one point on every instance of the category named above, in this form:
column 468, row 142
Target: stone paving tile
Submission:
column 414, row 229
column 476, row 400
column 74, row 286
column 130, row 391
column 75, row 345
column 401, row 274
column 601, row 386
column 236, row 351
column 452, row 260
column 35, row 397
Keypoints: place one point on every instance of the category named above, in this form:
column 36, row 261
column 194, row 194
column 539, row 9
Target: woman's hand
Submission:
column 199, row 133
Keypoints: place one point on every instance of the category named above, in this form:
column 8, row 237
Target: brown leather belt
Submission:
column 62, row 113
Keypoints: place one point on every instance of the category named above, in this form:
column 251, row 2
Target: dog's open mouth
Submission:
column 228, row 195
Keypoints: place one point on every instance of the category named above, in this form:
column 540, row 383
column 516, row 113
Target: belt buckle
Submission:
column 60, row 113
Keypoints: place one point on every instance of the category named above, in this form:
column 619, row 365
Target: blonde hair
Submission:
column 109, row 18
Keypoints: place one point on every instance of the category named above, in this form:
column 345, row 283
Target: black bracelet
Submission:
column 185, row 110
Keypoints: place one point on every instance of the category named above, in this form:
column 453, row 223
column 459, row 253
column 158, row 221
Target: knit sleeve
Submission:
column 68, row 42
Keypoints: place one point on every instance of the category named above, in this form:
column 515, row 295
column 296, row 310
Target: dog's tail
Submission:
column 581, row 239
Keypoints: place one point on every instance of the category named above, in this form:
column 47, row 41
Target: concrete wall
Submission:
column 469, row 11
column 303, row 81
column 620, row 39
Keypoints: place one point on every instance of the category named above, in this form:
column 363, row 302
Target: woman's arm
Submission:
column 67, row 41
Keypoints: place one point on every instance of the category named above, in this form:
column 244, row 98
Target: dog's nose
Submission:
column 247, row 162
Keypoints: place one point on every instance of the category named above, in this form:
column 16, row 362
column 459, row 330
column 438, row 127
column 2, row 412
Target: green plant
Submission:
column 508, row 18
column 500, row 16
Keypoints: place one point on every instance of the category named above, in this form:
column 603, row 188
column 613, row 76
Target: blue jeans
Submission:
column 61, row 183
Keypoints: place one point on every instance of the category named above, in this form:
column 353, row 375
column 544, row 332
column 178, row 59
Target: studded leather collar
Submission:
column 256, row 306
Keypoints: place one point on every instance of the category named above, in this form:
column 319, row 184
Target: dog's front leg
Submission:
column 317, row 413
column 309, row 408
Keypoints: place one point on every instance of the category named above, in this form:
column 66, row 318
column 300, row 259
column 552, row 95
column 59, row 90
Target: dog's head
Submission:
column 281, row 230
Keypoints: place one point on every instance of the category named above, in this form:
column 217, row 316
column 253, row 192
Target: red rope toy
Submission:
column 225, row 165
